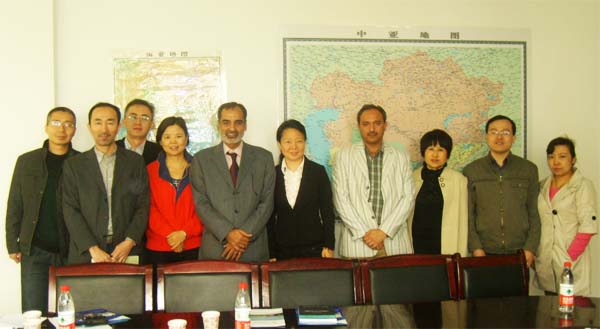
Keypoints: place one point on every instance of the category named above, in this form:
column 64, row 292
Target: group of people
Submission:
column 134, row 200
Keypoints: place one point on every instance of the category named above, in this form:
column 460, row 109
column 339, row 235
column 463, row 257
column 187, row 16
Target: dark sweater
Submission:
column 427, row 221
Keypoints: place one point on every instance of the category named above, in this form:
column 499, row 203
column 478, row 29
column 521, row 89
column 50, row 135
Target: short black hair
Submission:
column 61, row 109
column 501, row 117
column 367, row 107
column 290, row 124
column 436, row 137
column 171, row 121
column 142, row 102
column 104, row 104
column 231, row 105
column 566, row 141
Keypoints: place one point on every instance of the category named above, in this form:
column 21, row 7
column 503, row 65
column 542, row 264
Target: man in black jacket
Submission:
column 138, row 120
column 35, row 232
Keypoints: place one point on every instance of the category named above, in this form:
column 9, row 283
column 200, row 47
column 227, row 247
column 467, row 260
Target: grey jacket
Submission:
column 223, row 207
column 24, row 201
column 503, row 213
column 85, row 202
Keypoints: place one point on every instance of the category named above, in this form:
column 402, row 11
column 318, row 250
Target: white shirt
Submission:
column 292, row 179
column 237, row 150
column 139, row 150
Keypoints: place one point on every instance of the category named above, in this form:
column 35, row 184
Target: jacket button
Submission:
column 236, row 211
column 442, row 184
column 554, row 212
column 593, row 217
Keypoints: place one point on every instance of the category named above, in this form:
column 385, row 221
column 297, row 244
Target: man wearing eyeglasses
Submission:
column 105, row 195
column 139, row 119
column 503, row 192
column 34, row 228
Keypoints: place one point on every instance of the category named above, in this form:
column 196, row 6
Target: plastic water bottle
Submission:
column 566, row 299
column 66, row 309
column 242, row 307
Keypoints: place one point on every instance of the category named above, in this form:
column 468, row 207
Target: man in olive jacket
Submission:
column 503, row 192
column 35, row 233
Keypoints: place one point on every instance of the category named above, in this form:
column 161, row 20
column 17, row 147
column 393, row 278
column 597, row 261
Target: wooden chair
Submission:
column 200, row 285
column 121, row 288
column 409, row 278
column 493, row 276
column 310, row 281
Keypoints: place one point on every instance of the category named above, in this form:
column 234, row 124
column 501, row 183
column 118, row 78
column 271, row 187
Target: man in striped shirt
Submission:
column 374, row 211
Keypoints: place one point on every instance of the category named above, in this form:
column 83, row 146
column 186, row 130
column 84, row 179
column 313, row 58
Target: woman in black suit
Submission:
column 302, row 223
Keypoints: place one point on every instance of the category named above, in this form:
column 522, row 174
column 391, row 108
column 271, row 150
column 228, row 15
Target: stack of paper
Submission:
column 267, row 317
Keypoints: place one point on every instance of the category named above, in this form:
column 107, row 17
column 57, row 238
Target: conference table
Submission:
column 505, row 312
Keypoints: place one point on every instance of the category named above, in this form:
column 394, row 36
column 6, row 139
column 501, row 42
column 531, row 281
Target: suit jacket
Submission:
column 85, row 203
column 224, row 207
column 311, row 221
column 351, row 199
column 151, row 150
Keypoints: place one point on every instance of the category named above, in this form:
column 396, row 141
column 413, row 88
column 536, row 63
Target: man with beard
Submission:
column 233, row 184
column 105, row 195
column 374, row 210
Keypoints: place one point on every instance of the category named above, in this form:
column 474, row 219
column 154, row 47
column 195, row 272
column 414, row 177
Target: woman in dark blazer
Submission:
column 302, row 223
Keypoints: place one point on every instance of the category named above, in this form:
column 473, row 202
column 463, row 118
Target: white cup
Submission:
column 32, row 323
column 211, row 319
column 177, row 324
column 33, row 314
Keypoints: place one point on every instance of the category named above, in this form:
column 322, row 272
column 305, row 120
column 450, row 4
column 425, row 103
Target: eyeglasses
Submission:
column 501, row 133
column 134, row 117
column 58, row 123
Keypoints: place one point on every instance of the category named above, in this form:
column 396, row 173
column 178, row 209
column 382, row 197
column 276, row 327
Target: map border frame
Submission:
column 521, row 44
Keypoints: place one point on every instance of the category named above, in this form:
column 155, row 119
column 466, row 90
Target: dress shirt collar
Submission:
column 139, row 150
column 237, row 150
column 100, row 155
column 285, row 170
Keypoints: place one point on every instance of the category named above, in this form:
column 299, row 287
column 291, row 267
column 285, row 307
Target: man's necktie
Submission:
column 234, row 169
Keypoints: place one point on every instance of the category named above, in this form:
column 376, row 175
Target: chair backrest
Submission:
column 309, row 282
column 121, row 288
column 409, row 278
column 493, row 276
column 200, row 285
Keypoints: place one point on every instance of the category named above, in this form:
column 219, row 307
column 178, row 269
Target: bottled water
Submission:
column 66, row 309
column 242, row 307
column 566, row 299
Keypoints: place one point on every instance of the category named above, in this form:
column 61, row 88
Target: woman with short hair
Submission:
column 439, row 224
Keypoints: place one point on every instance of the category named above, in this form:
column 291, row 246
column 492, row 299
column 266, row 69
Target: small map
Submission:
column 189, row 87
column 423, row 85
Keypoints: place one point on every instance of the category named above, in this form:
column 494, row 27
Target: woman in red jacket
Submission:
column 174, row 229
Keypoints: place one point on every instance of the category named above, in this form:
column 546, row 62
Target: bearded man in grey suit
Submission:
column 105, row 195
column 233, row 184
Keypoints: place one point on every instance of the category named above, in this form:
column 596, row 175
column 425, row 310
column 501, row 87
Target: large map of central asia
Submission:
column 452, row 86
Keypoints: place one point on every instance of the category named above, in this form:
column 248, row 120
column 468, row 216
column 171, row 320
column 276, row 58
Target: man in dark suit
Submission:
column 138, row 120
column 233, row 185
column 105, row 195
column 35, row 233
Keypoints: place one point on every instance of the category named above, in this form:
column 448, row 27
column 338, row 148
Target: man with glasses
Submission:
column 503, row 192
column 139, row 119
column 106, row 198
column 35, row 233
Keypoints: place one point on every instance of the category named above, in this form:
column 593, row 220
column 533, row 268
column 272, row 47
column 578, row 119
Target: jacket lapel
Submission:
column 218, row 157
column 94, row 166
column 245, row 165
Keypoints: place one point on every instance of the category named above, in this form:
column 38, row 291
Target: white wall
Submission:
column 564, row 59
column 27, row 84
